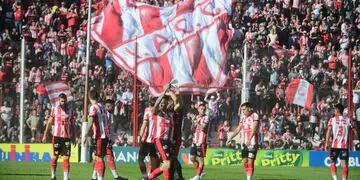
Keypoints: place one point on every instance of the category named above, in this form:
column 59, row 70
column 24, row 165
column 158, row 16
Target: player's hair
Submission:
column 166, row 97
column 152, row 101
column 109, row 101
column 339, row 107
column 246, row 104
column 62, row 96
column 201, row 103
column 93, row 94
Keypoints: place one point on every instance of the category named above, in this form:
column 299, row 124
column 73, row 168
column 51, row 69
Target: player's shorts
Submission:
column 248, row 152
column 61, row 146
column 198, row 150
column 165, row 149
column 336, row 152
column 101, row 146
column 147, row 149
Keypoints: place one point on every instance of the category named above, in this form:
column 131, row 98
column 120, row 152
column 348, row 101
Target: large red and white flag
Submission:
column 300, row 92
column 186, row 42
column 54, row 89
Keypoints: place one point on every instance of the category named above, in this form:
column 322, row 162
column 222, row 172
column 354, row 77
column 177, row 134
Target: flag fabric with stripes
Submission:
column 186, row 41
column 300, row 92
column 54, row 89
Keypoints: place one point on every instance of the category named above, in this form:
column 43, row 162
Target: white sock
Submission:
column 94, row 176
column 66, row 175
column 248, row 177
column 100, row 177
column 344, row 178
column 52, row 173
column 334, row 177
column 114, row 173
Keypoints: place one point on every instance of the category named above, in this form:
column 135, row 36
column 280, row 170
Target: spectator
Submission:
column 33, row 124
column 222, row 133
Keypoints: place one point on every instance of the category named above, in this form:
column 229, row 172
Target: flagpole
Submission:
column 135, row 100
column 84, row 151
column 22, row 90
column 350, row 95
column 244, row 90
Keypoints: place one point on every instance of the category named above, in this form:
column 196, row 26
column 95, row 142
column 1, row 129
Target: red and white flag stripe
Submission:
column 186, row 41
column 54, row 89
column 300, row 92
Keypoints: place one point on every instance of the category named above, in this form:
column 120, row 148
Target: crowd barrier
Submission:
column 214, row 156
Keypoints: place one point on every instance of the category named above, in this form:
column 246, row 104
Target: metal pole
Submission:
column 135, row 100
column 350, row 77
column 84, row 151
column 244, row 89
column 22, row 90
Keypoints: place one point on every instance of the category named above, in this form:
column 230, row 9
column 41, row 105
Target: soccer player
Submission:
column 147, row 146
column 339, row 128
column 198, row 148
column 176, row 169
column 62, row 117
column 98, row 121
column 249, row 129
column 109, row 106
column 163, row 130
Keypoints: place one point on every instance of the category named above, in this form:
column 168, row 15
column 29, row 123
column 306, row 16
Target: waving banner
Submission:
column 186, row 41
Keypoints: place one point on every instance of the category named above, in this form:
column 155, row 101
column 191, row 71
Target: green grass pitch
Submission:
column 78, row 171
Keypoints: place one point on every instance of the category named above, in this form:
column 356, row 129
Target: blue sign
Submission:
column 322, row 159
column 130, row 155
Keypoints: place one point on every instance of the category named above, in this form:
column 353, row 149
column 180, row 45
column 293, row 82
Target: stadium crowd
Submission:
column 287, row 39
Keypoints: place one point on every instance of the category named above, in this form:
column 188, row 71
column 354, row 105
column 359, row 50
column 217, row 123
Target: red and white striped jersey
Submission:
column 247, row 123
column 148, row 116
column 340, row 127
column 163, row 126
column 62, row 121
column 200, row 135
column 100, row 122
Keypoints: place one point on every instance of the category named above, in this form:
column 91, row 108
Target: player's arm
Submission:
column 48, row 124
column 89, row 126
column 328, row 135
column 255, row 129
column 178, row 103
column 73, row 129
column 158, row 100
column 235, row 133
column 143, row 127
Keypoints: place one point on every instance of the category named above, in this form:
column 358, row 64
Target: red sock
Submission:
column 166, row 174
column 100, row 167
column 66, row 165
column 250, row 169
column 245, row 166
column 345, row 172
column 199, row 170
column 94, row 164
column 111, row 162
column 333, row 169
column 149, row 167
column 155, row 173
column 53, row 164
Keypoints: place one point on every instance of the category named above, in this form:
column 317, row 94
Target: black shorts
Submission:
column 199, row 151
column 61, row 146
column 100, row 146
column 247, row 152
column 336, row 152
column 165, row 149
column 147, row 149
